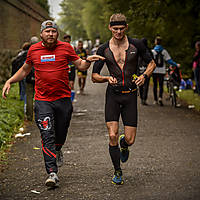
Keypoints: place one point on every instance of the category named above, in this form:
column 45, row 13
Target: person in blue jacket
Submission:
column 161, row 56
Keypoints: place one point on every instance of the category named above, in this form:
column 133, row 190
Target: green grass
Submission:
column 11, row 117
column 187, row 96
column 190, row 98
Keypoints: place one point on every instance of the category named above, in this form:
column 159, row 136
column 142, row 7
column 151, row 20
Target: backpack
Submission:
column 30, row 78
column 159, row 60
column 18, row 62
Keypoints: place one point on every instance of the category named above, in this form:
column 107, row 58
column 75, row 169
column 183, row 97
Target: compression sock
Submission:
column 123, row 143
column 115, row 156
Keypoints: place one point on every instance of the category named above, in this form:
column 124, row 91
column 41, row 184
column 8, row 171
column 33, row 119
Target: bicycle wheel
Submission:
column 168, row 90
column 174, row 97
column 171, row 94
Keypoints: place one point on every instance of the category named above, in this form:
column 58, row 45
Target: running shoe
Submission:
column 124, row 152
column 59, row 158
column 160, row 102
column 155, row 102
column 117, row 178
column 53, row 180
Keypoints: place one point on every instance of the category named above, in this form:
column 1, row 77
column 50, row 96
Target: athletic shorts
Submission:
column 121, row 104
column 82, row 73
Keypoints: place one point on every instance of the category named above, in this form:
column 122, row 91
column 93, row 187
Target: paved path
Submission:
column 163, row 164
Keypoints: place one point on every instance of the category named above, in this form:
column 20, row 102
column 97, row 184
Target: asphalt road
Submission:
column 163, row 164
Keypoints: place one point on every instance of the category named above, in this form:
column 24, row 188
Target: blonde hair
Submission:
column 117, row 17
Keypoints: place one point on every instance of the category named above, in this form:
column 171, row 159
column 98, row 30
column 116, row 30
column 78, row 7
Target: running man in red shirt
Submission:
column 53, row 107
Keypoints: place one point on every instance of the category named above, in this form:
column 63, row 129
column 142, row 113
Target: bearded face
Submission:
column 49, row 36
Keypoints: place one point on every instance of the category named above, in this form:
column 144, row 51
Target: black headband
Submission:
column 116, row 23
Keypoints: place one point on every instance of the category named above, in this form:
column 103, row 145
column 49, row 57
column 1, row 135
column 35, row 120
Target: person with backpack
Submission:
column 160, row 57
column 17, row 62
column 30, row 84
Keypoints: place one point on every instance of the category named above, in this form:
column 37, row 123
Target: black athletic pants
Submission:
column 144, row 89
column 53, row 119
column 158, row 78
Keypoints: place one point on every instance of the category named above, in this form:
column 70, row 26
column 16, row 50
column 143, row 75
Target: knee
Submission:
column 113, row 138
column 130, row 140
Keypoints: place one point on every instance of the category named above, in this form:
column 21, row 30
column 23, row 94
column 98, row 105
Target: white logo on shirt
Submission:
column 48, row 58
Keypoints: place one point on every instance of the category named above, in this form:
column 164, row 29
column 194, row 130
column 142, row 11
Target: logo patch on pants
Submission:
column 45, row 124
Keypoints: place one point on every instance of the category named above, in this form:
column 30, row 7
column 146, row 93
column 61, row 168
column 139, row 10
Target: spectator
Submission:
column 30, row 84
column 142, row 67
column 16, row 64
column 160, row 56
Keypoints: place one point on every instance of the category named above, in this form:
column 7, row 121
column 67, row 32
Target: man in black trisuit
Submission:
column 121, row 56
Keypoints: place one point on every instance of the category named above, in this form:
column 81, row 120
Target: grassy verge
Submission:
column 187, row 96
column 11, row 118
column 190, row 98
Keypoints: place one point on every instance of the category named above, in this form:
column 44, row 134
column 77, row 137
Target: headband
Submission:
column 116, row 23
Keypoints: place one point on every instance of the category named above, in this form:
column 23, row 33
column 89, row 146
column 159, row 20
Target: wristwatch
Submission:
column 145, row 76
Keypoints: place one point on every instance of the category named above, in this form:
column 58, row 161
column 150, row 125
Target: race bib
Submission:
column 48, row 58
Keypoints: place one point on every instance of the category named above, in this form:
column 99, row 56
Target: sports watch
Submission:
column 145, row 76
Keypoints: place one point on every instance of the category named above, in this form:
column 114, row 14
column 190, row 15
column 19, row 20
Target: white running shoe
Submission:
column 53, row 180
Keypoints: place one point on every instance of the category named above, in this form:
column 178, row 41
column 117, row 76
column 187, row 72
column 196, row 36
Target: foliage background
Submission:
column 177, row 22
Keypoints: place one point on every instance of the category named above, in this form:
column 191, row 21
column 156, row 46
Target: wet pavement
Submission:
column 163, row 164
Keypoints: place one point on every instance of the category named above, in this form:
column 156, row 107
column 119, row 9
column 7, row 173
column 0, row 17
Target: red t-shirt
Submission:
column 51, row 70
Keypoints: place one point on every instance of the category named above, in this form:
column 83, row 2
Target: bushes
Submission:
column 11, row 115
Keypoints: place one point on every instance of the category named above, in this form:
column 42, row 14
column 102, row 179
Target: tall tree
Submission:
column 93, row 20
column 176, row 21
column 70, row 20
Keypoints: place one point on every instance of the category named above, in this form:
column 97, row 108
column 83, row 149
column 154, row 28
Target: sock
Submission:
column 115, row 156
column 123, row 143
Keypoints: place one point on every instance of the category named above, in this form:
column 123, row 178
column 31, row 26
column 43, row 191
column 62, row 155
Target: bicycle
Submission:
column 172, row 80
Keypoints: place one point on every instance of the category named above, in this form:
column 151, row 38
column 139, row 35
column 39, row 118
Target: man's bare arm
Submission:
column 18, row 76
column 97, row 78
column 85, row 64
column 150, row 68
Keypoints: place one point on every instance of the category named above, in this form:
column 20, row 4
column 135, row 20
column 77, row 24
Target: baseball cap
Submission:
column 48, row 24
